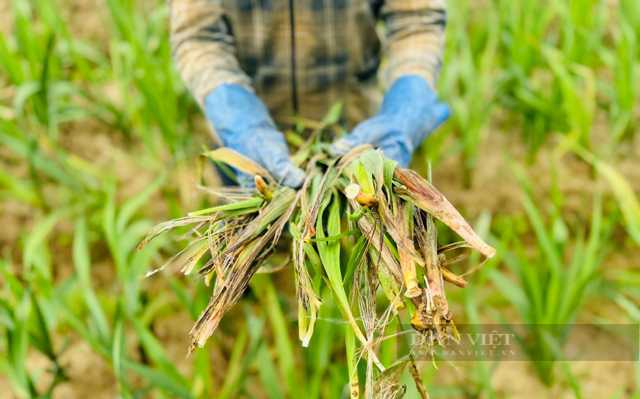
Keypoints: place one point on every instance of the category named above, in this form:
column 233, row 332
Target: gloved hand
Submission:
column 243, row 123
column 410, row 112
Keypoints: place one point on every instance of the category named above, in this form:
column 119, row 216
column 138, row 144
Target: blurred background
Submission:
column 98, row 141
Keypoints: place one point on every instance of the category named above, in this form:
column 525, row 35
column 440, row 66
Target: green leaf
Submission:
column 82, row 264
column 335, row 112
column 251, row 203
column 156, row 352
column 36, row 241
column 130, row 206
column 39, row 332
column 623, row 191
column 159, row 380
column 355, row 257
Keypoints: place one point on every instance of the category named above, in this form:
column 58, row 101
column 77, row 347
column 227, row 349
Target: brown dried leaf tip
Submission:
column 425, row 196
column 263, row 188
column 449, row 277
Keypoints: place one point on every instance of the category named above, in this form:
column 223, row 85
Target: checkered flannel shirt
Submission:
column 304, row 55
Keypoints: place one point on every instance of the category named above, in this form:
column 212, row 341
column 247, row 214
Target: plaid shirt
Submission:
column 304, row 55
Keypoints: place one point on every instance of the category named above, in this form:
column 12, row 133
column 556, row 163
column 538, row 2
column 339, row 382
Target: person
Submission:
column 249, row 63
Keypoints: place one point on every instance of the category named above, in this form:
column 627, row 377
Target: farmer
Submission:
column 249, row 63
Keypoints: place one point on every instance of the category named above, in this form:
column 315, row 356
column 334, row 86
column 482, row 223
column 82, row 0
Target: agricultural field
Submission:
column 99, row 141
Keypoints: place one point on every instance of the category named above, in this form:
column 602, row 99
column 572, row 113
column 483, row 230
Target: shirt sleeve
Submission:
column 203, row 47
column 415, row 33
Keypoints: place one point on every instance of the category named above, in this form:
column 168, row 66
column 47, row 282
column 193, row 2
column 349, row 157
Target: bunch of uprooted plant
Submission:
column 382, row 214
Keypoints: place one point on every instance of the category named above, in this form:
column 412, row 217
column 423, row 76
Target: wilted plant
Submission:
column 389, row 212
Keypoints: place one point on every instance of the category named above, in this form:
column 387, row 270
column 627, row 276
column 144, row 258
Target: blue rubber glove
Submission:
column 410, row 112
column 243, row 123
